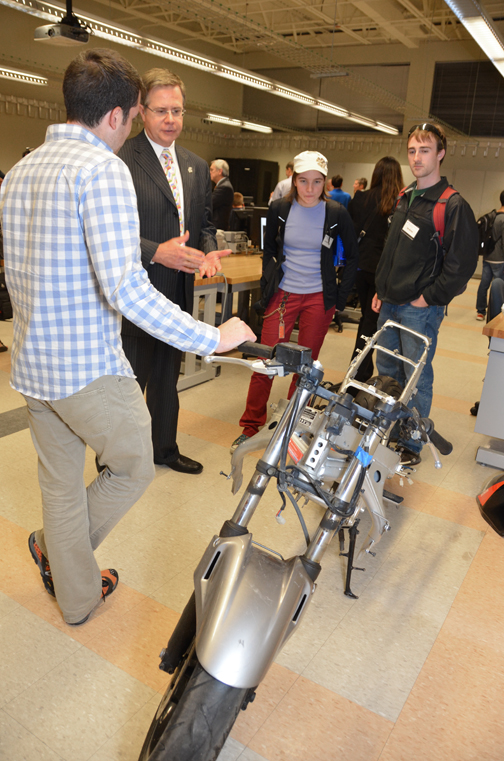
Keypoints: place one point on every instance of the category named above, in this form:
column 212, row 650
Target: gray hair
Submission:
column 222, row 165
column 161, row 78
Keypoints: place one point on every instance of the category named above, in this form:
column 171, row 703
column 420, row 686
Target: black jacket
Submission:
column 159, row 220
column 364, row 208
column 222, row 203
column 337, row 222
column 416, row 266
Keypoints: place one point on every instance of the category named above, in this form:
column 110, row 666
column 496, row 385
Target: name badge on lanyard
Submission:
column 410, row 229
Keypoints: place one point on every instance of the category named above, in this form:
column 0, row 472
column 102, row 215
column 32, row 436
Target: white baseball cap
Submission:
column 309, row 160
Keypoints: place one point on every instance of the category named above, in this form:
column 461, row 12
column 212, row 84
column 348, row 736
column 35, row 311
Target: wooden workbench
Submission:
column 495, row 328
column 239, row 273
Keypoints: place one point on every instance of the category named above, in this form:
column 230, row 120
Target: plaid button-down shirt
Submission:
column 72, row 266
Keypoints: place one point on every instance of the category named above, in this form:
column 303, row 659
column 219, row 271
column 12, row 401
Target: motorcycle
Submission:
column 327, row 445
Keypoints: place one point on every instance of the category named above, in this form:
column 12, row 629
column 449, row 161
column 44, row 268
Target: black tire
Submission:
column 382, row 383
column 195, row 716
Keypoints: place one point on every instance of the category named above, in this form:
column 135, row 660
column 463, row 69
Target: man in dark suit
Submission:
column 222, row 196
column 174, row 203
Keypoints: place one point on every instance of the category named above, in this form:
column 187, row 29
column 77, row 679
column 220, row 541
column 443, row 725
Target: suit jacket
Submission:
column 222, row 203
column 159, row 216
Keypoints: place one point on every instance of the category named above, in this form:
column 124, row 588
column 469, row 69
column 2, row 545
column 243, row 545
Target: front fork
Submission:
column 344, row 502
column 185, row 630
column 266, row 467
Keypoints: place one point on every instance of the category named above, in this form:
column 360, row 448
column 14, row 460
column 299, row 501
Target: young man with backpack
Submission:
column 491, row 229
column 430, row 254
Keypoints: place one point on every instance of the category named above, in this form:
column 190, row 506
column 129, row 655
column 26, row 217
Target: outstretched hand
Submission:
column 176, row 255
column 212, row 263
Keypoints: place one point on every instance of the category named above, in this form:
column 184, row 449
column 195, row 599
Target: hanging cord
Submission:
column 225, row 295
column 300, row 516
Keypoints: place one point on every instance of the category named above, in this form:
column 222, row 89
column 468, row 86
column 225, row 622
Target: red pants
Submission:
column 314, row 321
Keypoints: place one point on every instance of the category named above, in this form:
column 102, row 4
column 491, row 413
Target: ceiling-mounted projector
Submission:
column 69, row 31
column 62, row 34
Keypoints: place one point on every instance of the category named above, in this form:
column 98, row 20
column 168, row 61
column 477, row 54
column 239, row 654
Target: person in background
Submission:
column 67, row 358
column 299, row 277
column 222, row 194
column 337, row 194
column 283, row 187
column 493, row 263
column 238, row 201
column 370, row 211
column 417, row 276
column 359, row 184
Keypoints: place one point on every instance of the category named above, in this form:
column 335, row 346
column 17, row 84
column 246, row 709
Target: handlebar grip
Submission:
column 442, row 445
column 256, row 350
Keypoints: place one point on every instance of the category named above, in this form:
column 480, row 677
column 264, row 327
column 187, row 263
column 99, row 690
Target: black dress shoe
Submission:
column 183, row 465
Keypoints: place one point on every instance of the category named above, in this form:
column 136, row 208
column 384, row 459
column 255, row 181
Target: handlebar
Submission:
column 442, row 445
column 256, row 350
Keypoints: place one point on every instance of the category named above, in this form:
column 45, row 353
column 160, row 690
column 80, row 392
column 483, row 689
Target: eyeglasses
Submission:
column 161, row 113
column 428, row 127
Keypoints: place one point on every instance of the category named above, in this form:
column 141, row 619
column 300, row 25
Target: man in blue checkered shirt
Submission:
column 72, row 264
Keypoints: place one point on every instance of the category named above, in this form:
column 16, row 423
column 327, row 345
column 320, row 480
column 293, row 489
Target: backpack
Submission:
column 485, row 231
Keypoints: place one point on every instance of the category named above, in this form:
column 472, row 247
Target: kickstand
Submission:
column 352, row 532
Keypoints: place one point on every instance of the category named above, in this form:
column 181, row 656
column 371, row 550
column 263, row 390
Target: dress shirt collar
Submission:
column 158, row 149
column 74, row 132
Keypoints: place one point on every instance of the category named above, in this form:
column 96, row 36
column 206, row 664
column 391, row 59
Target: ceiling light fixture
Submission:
column 330, row 108
column 21, row 76
column 122, row 35
column 478, row 22
column 240, row 123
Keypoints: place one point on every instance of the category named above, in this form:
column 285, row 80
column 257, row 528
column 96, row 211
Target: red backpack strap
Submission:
column 438, row 214
column 401, row 195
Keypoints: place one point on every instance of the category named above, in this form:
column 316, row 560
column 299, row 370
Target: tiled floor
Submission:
column 413, row 669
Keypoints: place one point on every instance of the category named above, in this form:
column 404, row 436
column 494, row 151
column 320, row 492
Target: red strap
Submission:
column 401, row 194
column 438, row 215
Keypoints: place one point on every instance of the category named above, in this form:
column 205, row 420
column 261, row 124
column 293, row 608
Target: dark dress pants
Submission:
column 366, row 289
column 157, row 367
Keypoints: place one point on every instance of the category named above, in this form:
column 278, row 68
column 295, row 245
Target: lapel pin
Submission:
column 189, row 168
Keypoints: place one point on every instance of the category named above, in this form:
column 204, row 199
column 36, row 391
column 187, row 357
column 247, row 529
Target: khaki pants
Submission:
column 110, row 416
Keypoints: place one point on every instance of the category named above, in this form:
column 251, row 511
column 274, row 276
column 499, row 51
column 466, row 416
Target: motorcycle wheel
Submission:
column 195, row 716
column 383, row 383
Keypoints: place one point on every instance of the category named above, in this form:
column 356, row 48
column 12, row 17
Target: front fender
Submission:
column 248, row 603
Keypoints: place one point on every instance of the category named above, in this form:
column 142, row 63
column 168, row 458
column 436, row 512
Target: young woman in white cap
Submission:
column 299, row 276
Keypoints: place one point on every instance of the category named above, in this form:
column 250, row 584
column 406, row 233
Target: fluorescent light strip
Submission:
column 296, row 95
column 329, row 108
column 244, row 77
column 239, row 123
column 481, row 27
column 21, row 76
column 157, row 47
column 484, row 35
column 257, row 127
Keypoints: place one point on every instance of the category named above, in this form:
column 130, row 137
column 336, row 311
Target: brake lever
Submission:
column 435, row 454
column 264, row 367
